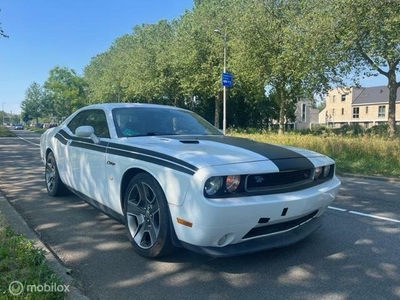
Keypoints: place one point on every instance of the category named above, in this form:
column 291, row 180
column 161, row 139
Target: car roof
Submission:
column 110, row 106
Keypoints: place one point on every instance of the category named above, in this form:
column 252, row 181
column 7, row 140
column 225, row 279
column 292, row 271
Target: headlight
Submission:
column 326, row 170
column 317, row 172
column 232, row 182
column 213, row 185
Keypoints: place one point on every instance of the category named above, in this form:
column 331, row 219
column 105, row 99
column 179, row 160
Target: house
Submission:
column 306, row 115
column 364, row 106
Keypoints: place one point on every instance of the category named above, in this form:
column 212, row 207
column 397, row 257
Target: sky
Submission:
column 45, row 33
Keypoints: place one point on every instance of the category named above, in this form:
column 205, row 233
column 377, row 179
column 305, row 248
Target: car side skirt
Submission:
column 105, row 209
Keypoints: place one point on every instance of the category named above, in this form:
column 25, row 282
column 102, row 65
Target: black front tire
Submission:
column 55, row 187
column 147, row 217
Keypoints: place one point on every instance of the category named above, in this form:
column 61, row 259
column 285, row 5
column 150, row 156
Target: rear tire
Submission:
column 147, row 217
column 55, row 187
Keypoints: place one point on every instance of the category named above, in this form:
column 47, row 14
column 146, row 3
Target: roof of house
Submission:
column 375, row 94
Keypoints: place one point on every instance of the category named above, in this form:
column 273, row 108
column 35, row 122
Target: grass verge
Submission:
column 5, row 132
column 37, row 130
column 24, row 273
column 365, row 155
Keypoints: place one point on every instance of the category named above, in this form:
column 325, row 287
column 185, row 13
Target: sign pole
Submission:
column 224, row 92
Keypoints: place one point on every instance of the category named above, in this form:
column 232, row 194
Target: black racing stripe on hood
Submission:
column 283, row 158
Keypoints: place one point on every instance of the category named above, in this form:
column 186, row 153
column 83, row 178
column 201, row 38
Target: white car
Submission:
column 175, row 180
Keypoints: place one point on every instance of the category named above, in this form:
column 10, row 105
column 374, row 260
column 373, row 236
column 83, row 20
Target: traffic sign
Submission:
column 227, row 79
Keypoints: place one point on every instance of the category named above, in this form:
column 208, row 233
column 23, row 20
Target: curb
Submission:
column 18, row 225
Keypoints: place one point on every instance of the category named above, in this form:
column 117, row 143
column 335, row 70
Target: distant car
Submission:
column 174, row 180
column 18, row 126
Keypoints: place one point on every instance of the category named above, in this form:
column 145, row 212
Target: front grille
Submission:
column 259, row 231
column 276, row 181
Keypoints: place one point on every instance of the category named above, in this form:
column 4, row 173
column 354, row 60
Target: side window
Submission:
column 76, row 121
column 95, row 118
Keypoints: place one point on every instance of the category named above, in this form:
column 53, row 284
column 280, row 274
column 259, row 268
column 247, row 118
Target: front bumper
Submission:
column 234, row 226
column 260, row 244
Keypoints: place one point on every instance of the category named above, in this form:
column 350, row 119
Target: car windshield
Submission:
column 148, row 121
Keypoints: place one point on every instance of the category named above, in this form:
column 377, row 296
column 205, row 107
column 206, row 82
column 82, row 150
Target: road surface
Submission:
column 354, row 255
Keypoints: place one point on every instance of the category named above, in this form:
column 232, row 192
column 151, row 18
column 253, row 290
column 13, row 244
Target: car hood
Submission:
column 204, row 151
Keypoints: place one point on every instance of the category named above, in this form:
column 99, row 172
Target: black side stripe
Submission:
column 62, row 139
column 128, row 151
column 155, row 154
column 150, row 159
column 88, row 146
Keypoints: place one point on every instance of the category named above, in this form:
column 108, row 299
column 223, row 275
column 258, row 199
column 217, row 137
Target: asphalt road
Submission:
column 354, row 255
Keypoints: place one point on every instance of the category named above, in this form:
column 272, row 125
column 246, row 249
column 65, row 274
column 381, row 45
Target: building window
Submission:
column 344, row 97
column 366, row 109
column 381, row 111
column 303, row 112
column 333, row 98
column 356, row 112
column 333, row 112
column 342, row 111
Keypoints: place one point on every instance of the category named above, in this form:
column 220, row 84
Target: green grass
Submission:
column 366, row 155
column 21, row 261
column 38, row 130
column 5, row 132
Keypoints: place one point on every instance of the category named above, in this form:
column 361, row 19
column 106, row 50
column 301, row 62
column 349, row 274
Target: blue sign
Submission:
column 227, row 79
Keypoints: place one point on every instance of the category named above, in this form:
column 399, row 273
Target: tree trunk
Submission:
column 217, row 110
column 393, row 86
column 282, row 99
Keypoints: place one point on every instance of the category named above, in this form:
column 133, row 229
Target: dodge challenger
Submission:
column 174, row 180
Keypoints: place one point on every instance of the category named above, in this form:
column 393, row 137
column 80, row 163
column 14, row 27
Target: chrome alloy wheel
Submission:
column 50, row 173
column 143, row 215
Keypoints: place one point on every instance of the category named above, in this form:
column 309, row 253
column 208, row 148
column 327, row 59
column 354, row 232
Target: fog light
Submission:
column 222, row 240
column 226, row 239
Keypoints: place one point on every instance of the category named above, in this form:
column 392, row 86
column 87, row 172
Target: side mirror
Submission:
column 87, row 132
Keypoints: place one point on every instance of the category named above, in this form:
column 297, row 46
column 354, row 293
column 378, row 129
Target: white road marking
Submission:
column 29, row 141
column 337, row 208
column 364, row 215
column 372, row 216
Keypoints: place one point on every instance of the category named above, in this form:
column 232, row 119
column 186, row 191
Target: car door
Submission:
column 85, row 159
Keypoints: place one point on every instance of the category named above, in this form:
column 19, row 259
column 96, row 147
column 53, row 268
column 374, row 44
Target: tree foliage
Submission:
column 278, row 51
column 36, row 103
column 369, row 42
column 2, row 33
column 66, row 90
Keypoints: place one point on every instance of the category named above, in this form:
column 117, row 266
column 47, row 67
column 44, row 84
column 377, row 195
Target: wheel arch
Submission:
column 126, row 178
column 48, row 150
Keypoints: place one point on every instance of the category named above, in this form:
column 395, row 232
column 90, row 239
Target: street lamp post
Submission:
column 224, row 87
column 2, row 109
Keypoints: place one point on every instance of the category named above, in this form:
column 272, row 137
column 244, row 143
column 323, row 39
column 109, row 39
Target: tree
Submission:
column 269, row 51
column 35, row 103
column 368, row 38
column 199, row 53
column 2, row 34
column 66, row 90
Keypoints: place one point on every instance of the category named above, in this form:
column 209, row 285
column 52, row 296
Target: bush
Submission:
column 352, row 129
column 381, row 130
